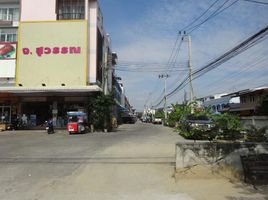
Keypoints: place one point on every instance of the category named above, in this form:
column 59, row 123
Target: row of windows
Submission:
column 66, row 9
column 9, row 14
column 71, row 9
column 251, row 99
column 8, row 35
column 218, row 107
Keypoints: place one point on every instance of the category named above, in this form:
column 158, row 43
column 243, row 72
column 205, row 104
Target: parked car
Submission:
column 157, row 120
column 201, row 122
column 130, row 119
column 146, row 119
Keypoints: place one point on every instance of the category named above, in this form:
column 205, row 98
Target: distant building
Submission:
column 245, row 102
column 218, row 103
column 251, row 100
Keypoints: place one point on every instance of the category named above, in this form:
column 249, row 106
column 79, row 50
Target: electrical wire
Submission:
column 229, row 77
column 248, row 43
column 150, row 71
column 196, row 19
column 174, row 61
column 214, row 14
column 258, row 2
column 169, row 60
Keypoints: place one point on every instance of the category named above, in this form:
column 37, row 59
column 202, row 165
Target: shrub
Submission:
column 254, row 134
column 228, row 126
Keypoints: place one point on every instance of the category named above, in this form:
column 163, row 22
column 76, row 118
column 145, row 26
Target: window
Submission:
column 8, row 35
column 9, row 14
column 252, row 99
column 70, row 9
column 243, row 100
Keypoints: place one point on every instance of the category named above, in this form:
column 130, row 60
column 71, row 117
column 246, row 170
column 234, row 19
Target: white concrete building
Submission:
column 218, row 102
column 9, row 18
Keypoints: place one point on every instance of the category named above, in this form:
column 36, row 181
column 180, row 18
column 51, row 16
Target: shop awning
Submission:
column 61, row 89
column 122, row 109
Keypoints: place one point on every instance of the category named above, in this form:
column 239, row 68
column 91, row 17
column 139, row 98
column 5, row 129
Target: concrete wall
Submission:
column 92, row 15
column 189, row 154
column 38, row 10
column 258, row 121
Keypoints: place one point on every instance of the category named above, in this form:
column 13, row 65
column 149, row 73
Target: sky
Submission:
column 144, row 34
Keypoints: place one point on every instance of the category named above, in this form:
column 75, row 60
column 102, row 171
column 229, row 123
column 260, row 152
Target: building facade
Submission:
column 218, row 103
column 251, row 101
column 63, row 58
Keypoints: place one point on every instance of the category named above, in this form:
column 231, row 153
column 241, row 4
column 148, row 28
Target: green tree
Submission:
column 159, row 114
column 99, row 111
column 179, row 113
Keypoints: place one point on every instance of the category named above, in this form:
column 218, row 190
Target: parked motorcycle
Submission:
column 16, row 124
column 49, row 127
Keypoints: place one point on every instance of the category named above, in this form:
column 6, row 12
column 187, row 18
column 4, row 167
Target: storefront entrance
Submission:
column 37, row 112
column 5, row 114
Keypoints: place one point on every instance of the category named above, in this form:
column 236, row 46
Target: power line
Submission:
column 229, row 77
column 170, row 58
column 173, row 49
column 149, row 71
column 196, row 19
column 258, row 2
column 214, row 14
column 248, row 43
column 173, row 63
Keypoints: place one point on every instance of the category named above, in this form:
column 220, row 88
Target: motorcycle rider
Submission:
column 50, row 128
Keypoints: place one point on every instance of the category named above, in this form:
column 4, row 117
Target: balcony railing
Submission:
column 66, row 16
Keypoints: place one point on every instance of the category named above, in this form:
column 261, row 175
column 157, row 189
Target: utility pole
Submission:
column 106, row 68
column 165, row 76
column 190, row 67
column 189, row 40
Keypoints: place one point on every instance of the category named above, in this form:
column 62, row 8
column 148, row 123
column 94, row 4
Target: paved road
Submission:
column 136, row 162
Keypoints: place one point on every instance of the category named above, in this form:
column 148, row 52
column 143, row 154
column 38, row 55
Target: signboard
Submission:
column 7, row 68
column 8, row 50
column 52, row 53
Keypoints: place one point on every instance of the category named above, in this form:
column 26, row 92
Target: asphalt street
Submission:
column 35, row 165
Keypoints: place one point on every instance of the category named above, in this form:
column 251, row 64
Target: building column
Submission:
column 55, row 112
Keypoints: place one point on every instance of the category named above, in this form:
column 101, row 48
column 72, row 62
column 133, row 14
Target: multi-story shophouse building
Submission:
column 9, row 19
column 63, row 58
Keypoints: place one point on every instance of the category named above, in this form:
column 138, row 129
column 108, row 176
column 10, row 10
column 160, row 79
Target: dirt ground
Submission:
column 202, row 182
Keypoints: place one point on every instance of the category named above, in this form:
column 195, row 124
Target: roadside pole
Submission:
column 165, row 76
